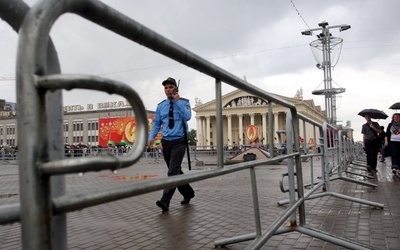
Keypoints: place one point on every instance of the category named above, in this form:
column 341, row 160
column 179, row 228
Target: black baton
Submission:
column 187, row 145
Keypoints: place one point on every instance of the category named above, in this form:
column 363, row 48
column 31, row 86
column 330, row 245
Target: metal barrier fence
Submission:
column 43, row 202
column 197, row 153
column 5, row 156
column 154, row 152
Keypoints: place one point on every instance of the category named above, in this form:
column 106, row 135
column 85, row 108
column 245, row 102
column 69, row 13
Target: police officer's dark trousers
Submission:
column 174, row 151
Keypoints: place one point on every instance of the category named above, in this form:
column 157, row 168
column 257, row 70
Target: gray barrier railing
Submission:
column 338, row 156
column 43, row 201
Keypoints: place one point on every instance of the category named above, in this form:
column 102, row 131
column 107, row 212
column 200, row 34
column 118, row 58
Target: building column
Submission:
column 240, row 129
column 252, row 119
column 208, row 138
column 85, row 130
column 70, row 131
column 229, row 129
column 203, row 131
column 264, row 128
column 199, row 133
column 276, row 125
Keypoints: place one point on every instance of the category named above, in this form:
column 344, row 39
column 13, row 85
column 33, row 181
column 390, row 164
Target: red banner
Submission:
column 120, row 130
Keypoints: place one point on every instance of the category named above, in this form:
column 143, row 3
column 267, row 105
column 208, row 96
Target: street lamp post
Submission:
column 326, row 43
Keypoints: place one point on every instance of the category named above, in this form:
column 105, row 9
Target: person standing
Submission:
column 392, row 140
column 382, row 136
column 371, row 142
column 171, row 118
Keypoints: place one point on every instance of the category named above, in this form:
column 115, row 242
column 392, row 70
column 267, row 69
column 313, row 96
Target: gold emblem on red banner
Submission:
column 251, row 133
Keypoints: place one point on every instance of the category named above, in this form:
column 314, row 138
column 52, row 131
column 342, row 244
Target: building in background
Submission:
column 8, row 123
column 245, row 119
column 96, row 124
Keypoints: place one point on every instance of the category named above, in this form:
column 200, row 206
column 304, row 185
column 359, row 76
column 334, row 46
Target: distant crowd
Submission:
column 8, row 152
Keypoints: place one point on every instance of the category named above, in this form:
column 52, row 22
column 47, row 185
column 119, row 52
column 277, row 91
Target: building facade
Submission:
column 8, row 123
column 245, row 119
column 80, row 125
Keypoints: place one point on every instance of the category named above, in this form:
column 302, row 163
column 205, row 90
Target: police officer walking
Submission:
column 171, row 117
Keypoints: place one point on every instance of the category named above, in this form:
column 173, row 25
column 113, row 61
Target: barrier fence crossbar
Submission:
column 43, row 200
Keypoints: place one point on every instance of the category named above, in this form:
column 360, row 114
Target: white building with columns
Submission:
column 245, row 119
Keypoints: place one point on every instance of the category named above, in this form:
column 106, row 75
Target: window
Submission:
column 93, row 139
column 77, row 125
column 65, row 127
column 93, row 125
column 10, row 130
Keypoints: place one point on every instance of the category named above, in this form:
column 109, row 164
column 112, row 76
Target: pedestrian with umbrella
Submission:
column 371, row 140
column 382, row 136
column 392, row 139
column 395, row 106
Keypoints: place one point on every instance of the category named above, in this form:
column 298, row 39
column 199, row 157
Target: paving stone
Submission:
column 221, row 209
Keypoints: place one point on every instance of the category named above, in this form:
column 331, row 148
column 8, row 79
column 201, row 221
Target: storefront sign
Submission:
column 11, row 113
column 98, row 106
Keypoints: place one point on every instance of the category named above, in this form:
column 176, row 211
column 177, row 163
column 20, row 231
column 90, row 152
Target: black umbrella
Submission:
column 374, row 113
column 395, row 106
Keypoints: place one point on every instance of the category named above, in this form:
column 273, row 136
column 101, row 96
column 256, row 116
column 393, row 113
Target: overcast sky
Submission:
column 258, row 39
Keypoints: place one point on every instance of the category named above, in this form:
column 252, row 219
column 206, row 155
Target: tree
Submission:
column 192, row 137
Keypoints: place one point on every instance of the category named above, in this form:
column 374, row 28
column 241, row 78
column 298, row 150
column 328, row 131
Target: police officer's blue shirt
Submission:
column 182, row 114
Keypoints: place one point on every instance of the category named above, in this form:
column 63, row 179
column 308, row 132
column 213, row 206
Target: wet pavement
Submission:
column 221, row 209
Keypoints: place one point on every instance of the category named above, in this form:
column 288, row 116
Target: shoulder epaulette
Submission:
column 161, row 102
column 184, row 99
